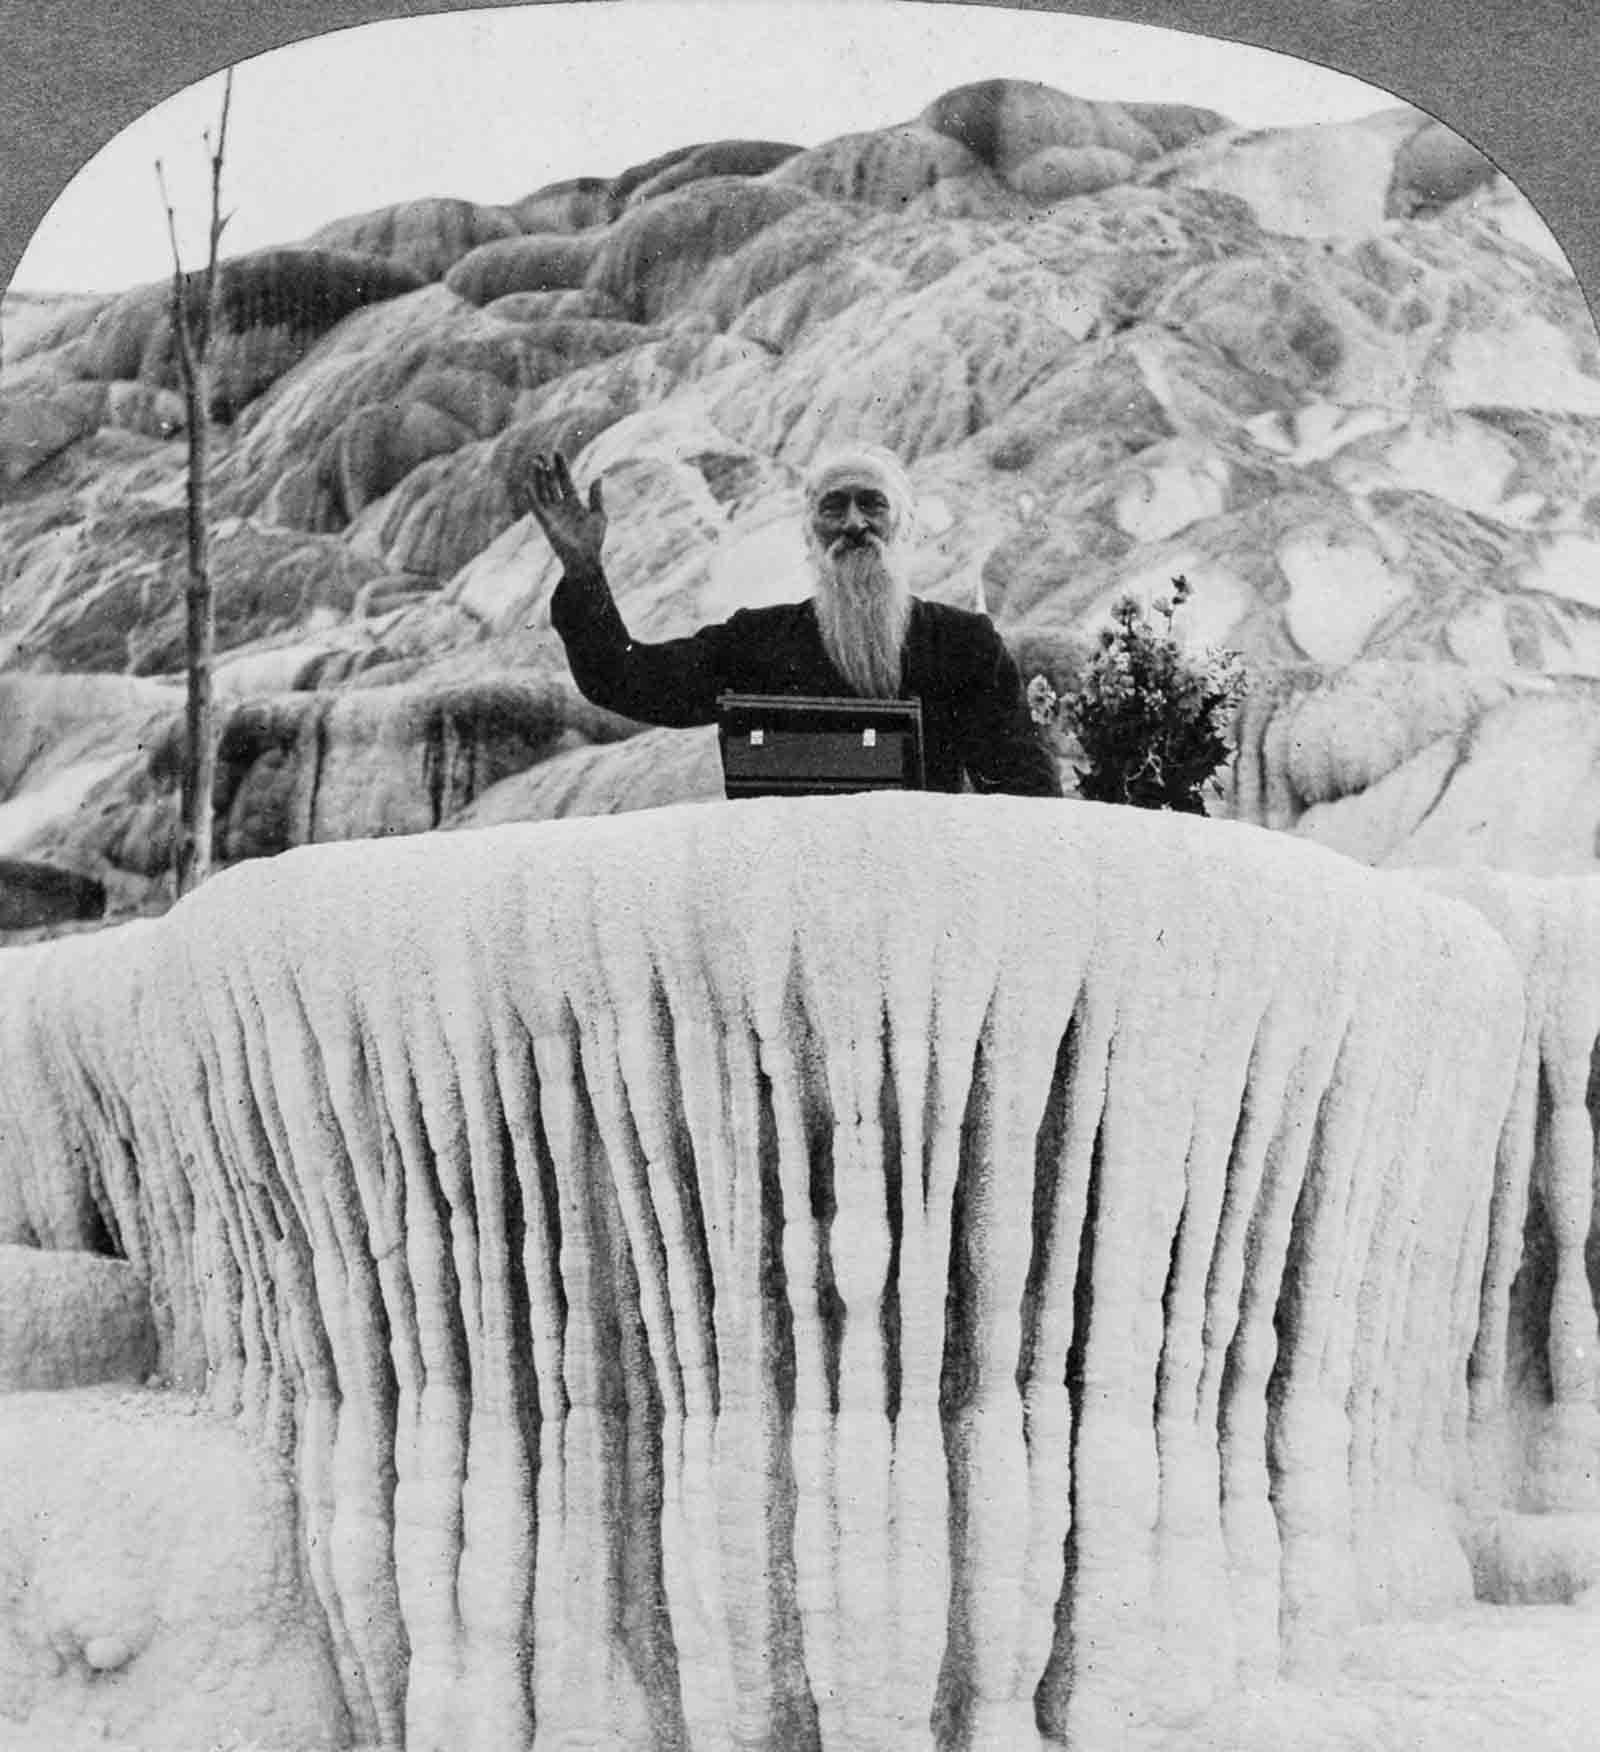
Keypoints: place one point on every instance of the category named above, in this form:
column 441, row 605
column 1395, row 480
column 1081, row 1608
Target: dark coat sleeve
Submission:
column 675, row 682
column 997, row 739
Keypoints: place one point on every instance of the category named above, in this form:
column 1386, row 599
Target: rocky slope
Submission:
column 1333, row 374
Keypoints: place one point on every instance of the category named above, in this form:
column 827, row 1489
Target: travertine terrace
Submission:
column 1336, row 375
column 859, row 1273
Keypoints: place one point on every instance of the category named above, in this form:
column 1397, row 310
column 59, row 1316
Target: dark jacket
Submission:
column 974, row 716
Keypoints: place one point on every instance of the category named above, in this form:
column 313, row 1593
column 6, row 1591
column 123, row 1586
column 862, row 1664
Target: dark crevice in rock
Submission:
column 1051, row 1698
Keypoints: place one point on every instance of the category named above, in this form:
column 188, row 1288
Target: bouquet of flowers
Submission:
column 1153, row 722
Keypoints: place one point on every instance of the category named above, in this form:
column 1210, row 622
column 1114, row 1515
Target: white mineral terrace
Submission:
column 859, row 1274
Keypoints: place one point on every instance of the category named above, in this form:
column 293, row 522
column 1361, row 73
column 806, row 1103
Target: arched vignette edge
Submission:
column 1514, row 76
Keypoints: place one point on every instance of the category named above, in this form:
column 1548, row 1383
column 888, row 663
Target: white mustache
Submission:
column 848, row 542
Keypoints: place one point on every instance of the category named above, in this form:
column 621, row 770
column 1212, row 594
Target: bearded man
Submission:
column 862, row 634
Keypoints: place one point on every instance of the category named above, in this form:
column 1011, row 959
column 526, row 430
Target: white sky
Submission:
column 489, row 105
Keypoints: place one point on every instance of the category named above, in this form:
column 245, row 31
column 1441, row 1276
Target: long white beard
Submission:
column 863, row 603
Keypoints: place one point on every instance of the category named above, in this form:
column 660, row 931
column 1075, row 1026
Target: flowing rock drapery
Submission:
column 783, row 1275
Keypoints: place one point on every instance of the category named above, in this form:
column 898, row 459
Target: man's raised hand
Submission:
column 577, row 531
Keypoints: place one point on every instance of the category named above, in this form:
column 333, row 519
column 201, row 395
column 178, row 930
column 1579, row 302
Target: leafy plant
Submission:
column 1152, row 720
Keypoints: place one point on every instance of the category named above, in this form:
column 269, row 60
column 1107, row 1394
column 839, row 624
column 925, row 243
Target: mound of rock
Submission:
column 573, row 204
column 166, row 1599
column 72, row 1320
column 648, row 771
column 124, row 575
column 1426, row 766
column 544, row 262
column 298, row 769
column 33, row 894
column 426, row 237
column 869, row 1249
column 35, row 428
column 273, row 306
column 295, row 768
column 653, row 257
column 1005, row 122
column 677, row 169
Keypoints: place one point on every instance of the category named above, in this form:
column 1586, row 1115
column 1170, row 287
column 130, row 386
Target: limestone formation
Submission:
column 1434, row 167
column 34, row 894
column 1004, row 122
column 428, row 237
column 889, row 168
column 834, row 1274
column 124, row 612
column 1535, row 1412
column 647, row 771
column 51, row 723
column 1330, row 374
column 654, row 255
column 619, row 188
column 40, row 322
column 811, row 234
column 1307, row 738
column 72, row 1320
column 140, row 407
column 155, row 1590
column 307, row 766
column 571, row 205
column 716, row 158
column 297, row 770
column 274, row 304
column 545, row 262
column 849, row 1274
column 34, row 429
column 61, row 741
column 1413, row 765
column 579, row 301
column 1056, row 173
column 1323, row 180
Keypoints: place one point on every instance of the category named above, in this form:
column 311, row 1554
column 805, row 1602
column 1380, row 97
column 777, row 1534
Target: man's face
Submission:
column 852, row 514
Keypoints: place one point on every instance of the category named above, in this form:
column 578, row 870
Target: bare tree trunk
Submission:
column 193, row 342
column 200, row 621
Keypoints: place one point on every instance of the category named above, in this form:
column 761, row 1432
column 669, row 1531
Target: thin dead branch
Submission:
column 192, row 342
